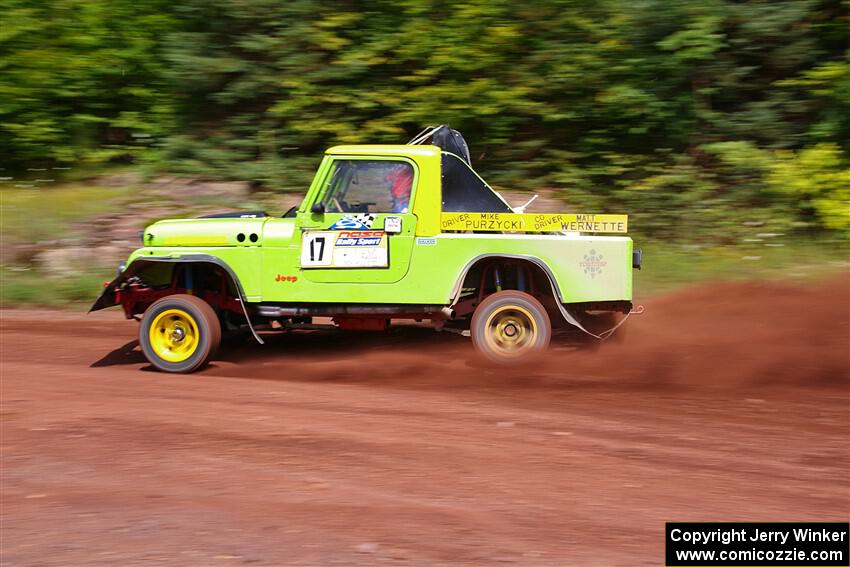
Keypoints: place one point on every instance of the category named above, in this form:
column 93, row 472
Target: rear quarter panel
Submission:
column 585, row 268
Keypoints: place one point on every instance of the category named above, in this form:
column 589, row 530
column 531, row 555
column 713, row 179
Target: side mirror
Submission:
column 318, row 208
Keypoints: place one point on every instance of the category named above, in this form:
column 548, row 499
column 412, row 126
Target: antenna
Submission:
column 422, row 136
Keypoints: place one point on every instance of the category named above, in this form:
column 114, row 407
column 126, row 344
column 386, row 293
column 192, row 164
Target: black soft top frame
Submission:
column 444, row 138
column 463, row 190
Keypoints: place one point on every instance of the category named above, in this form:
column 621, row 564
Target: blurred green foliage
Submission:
column 698, row 118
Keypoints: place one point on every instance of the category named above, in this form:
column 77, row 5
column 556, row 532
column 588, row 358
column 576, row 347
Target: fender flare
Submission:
column 107, row 296
column 556, row 290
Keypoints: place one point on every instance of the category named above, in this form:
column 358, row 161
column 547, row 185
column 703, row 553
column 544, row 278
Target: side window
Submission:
column 368, row 186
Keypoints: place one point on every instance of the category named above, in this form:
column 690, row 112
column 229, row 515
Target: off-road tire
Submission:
column 171, row 314
column 510, row 327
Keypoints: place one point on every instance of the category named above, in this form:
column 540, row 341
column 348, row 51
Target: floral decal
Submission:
column 592, row 263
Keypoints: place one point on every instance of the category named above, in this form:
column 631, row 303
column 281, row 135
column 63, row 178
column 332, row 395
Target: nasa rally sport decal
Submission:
column 344, row 249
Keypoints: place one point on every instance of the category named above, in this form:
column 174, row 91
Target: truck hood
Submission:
column 218, row 231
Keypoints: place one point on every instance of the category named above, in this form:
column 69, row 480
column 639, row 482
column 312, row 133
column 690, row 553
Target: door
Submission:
column 359, row 228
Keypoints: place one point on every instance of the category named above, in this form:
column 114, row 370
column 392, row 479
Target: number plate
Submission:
column 344, row 249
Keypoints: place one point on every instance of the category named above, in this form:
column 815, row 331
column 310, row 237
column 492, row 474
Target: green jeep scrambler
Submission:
column 385, row 232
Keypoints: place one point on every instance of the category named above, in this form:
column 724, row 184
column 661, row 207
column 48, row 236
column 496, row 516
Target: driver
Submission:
column 400, row 178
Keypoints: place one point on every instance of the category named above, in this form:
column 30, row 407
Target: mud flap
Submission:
column 107, row 296
column 572, row 320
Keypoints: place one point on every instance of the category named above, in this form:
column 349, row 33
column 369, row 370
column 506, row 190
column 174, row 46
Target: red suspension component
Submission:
column 137, row 296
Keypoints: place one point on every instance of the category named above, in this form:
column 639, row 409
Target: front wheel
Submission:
column 510, row 327
column 179, row 333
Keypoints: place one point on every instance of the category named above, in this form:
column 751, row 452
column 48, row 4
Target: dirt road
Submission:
column 727, row 402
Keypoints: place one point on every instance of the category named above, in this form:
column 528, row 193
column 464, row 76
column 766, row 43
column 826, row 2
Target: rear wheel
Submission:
column 179, row 333
column 510, row 327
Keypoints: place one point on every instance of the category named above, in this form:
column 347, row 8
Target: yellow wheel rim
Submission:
column 511, row 331
column 174, row 335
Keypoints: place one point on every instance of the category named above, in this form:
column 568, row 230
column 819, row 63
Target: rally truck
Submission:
column 384, row 233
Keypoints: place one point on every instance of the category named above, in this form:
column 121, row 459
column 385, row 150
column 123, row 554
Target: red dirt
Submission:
column 723, row 402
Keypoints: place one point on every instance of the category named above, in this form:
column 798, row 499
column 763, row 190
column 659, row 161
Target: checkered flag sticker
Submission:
column 362, row 221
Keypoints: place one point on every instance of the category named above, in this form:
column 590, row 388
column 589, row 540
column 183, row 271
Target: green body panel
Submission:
column 425, row 266
column 585, row 268
column 436, row 267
